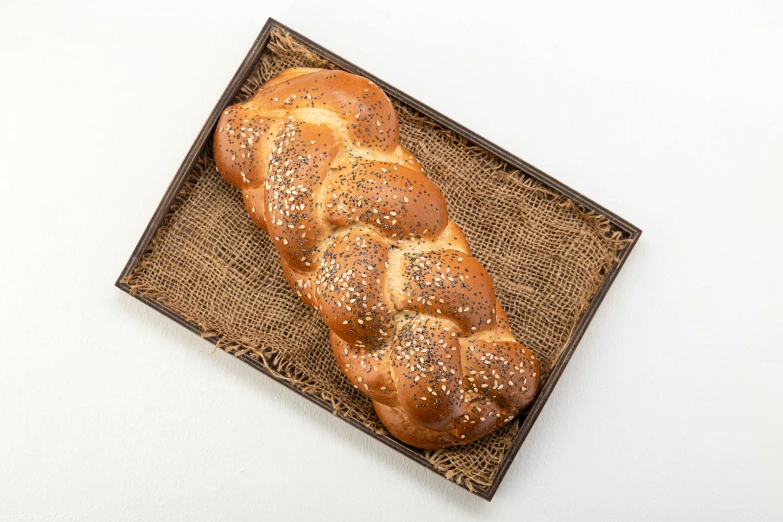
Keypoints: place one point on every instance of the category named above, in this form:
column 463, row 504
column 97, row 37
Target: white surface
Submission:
column 668, row 113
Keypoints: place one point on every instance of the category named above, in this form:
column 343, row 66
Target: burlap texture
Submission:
column 547, row 256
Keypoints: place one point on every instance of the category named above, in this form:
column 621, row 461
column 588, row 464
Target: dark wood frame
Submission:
column 202, row 139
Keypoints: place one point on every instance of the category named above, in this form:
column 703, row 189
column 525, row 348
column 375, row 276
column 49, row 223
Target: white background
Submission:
column 668, row 113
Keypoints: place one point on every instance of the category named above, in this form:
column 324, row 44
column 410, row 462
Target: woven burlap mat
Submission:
column 210, row 264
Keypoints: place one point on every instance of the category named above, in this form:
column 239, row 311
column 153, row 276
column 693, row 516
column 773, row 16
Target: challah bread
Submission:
column 364, row 237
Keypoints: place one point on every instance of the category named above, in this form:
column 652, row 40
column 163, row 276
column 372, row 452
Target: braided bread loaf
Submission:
column 364, row 237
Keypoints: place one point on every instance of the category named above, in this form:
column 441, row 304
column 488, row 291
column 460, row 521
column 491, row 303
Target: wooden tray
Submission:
column 632, row 233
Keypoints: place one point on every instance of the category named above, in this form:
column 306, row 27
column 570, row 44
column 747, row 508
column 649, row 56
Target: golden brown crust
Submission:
column 350, row 285
column 364, row 237
column 411, row 433
column 241, row 145
column 369, row 116
column 367, row 369
column 426, row 368
column 396, row 200
column 447, row 283
column 255, row 201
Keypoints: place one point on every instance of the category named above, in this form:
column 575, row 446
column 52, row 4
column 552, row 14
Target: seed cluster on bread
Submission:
column 364, row 237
